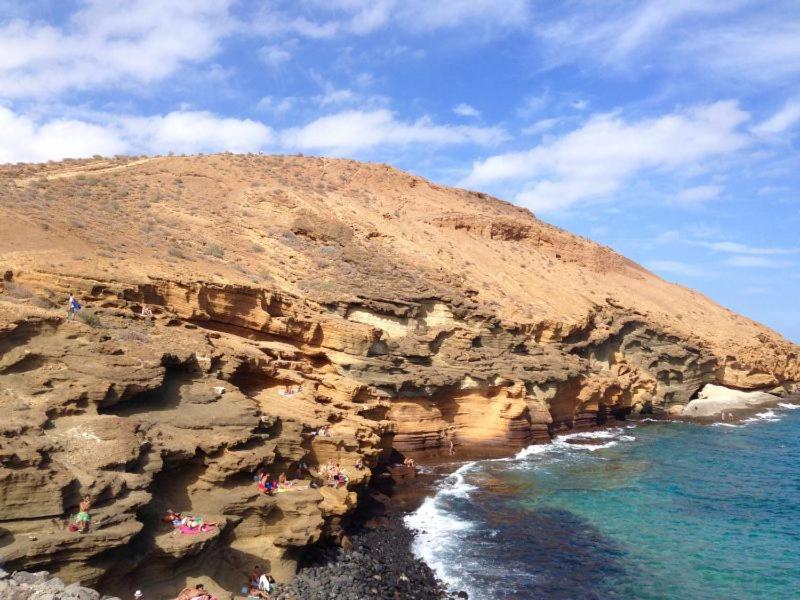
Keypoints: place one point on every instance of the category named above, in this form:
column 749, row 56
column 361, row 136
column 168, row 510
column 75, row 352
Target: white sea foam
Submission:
column 438, row 537
column 595, row 447
column 788, row 406
column 602, row 434
column 769, row 415
column 438, row 530
column 725, row 425
column 455, row 484
column 533, row 451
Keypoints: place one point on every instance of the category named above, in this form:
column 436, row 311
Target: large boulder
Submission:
column 713, row 400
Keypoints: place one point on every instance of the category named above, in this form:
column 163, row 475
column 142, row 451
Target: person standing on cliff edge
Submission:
column 72, row 307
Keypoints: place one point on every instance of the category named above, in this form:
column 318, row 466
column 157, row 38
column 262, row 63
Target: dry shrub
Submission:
column 18, row 291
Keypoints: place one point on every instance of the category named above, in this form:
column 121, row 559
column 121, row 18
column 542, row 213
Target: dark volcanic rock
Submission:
column 380, row 565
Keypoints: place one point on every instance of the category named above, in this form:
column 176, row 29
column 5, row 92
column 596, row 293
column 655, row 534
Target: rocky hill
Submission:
column 401, row 313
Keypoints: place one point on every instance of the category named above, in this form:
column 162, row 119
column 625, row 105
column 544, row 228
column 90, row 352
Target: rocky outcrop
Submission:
column 22, row 585
column 714, row 400
column 289, row 295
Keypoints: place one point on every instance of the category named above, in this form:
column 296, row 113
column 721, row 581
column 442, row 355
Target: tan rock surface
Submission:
column 402, row 314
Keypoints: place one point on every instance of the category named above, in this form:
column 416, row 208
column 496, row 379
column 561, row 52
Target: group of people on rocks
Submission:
column 324, row 431
column 259, row 584
column 333, row 474
column 269, row 486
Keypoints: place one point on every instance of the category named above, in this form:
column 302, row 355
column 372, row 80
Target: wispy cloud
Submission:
column 274, row 55
column 674, row 267
column 763, row 262
column 698, row 194
column 465, row 110
column 736, row 39
column 355, row 130
column 109, row 44
column 362, row 17
column 596, row 159
column 25, row 138
column 786, row 118
column 738, row 248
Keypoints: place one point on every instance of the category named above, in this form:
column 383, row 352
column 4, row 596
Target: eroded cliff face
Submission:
column 409, row 316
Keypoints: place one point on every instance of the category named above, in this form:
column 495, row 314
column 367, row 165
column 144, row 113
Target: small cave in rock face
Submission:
column 379, row 348
column 165, row 397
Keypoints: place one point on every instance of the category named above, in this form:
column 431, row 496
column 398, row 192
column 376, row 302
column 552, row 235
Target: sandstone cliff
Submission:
column 409, row 314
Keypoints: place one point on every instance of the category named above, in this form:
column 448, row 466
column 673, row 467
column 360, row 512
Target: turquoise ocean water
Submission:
column 651, row 510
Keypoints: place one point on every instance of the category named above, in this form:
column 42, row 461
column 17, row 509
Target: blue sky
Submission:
column 666, row 130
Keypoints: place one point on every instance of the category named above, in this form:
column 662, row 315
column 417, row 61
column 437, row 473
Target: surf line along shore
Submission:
column 426, row 499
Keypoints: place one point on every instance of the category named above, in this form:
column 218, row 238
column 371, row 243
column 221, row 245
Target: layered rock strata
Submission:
column 291, row 294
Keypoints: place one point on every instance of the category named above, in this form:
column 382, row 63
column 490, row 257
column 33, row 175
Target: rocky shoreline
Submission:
column 378, row 564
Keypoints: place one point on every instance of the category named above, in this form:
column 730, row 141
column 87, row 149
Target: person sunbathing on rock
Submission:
column 82, row 520
column 175, row 518
column 409, row 462
column 197, row 592
column 359, row 464
column 254, row 592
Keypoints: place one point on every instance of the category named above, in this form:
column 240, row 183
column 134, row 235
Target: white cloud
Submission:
column 355, row 130
column 362, row 17
column 274, row 56
column 674, row 267
column 109, row 43
column 426, row 15
column 335, row 96
column 757, row 261
column 781, row 121
column 196, row 131
column 465, row 110
column 765, row 49
column 737, row 38
column 276, row 105
column 541, row 126
column 698, row 194
column 22, row 139
column 599, row 157
column 738, row 248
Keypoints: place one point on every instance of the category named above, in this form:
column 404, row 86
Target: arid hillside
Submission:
column 410, row 315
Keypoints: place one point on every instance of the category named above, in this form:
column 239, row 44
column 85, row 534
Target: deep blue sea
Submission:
column 651, row 510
